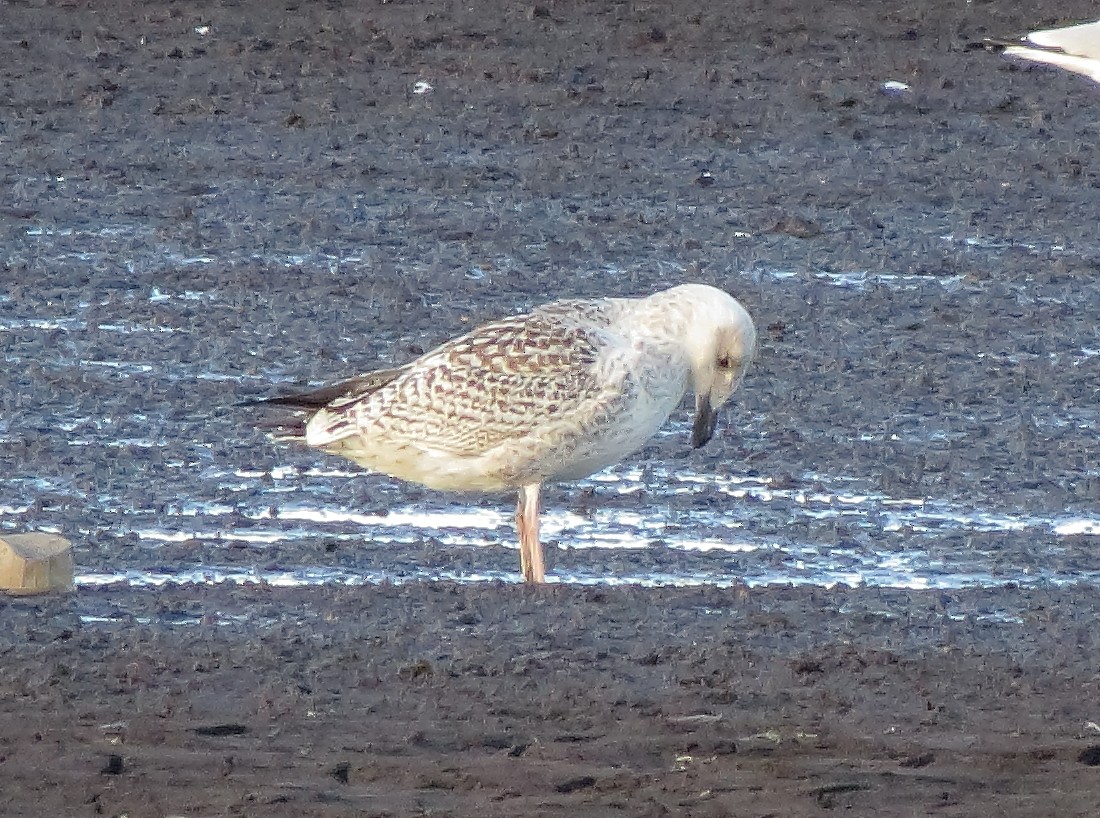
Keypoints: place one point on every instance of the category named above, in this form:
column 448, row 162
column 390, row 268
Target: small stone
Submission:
column 581, row 782
column 1090, row 756
column 113, row 765
column 340, row 772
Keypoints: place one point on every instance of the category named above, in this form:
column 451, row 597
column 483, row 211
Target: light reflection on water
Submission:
column 888, row 541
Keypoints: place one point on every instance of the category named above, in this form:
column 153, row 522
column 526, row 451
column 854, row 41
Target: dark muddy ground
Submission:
column 923, row 267
column 468, row 700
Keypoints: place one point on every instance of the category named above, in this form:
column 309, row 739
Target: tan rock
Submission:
column 35, row 563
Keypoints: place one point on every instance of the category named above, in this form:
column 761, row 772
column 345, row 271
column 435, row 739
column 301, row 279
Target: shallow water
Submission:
column 894, row 542
column 135, row 449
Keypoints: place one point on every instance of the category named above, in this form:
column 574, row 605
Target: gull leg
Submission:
column 527, row 526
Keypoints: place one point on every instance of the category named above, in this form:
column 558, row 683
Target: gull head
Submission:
column 719, row 341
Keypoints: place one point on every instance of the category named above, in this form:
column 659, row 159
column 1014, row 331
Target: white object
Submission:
column 1074, row 48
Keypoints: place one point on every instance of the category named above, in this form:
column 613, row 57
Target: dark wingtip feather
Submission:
column 345, row 391
column 304, row 400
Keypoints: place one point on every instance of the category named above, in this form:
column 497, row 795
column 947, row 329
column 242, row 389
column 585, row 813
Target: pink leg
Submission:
column 527, row 526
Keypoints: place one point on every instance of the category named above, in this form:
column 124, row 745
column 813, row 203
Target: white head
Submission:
column 719, row 340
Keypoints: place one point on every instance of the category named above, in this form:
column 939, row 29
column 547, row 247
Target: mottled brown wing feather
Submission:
column 481, row 389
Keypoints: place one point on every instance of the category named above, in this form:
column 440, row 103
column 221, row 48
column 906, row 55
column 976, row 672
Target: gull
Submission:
column 1074, row 48
column 556, row 394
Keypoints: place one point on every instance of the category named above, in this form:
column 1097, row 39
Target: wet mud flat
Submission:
column 453, row 699
column 207, row 200
column 510, row 700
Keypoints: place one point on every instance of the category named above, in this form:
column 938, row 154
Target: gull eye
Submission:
column 724, row 362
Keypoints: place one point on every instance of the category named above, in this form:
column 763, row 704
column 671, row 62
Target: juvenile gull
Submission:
column 557, row 394
column 1074, row 48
